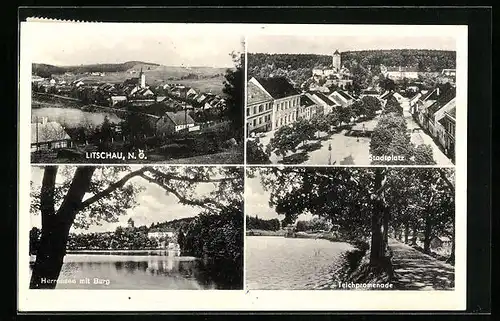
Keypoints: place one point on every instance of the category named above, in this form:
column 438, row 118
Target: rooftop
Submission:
column 180, row 118
column 47, row 132
column 306, row 101
column 278, row 87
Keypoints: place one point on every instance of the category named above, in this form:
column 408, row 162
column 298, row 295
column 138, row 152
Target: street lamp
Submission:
column 329, row 153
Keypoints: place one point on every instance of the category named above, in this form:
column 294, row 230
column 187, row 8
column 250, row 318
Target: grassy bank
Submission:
column 356, row 267
column 265, row 233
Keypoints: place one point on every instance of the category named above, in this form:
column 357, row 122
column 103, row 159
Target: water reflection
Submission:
column 147, row 272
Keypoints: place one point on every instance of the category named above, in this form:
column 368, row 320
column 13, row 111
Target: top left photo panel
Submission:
column 113, row 93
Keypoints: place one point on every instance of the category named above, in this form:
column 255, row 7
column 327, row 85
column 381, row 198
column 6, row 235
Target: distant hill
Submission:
column 426, row 60
column 175, row 224
column 46, row 70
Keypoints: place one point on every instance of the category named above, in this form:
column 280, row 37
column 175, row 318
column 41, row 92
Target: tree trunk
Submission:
column 415, row 235
column 56, row 226
column 427, row 234
column 386, row 217
column 407, row 231
column 377, row 238
column 451, row 259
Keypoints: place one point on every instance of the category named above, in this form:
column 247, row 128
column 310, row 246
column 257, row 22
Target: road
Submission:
column 414, row 270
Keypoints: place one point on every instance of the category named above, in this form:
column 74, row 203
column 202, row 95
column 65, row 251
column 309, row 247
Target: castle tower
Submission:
column 336, row 63
column 142, row 79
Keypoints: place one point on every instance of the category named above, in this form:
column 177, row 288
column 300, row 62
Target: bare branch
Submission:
column 169, row 176
column 118, row 184
column 205, row 203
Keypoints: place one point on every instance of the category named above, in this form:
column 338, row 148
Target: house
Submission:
column 308, row 107
column 259, row 109
column 113, row 100
column 369, row 92
column 173, row 122
column 47, row 135
column 399, row 72
column 439, row 242
column 449, row 72
column 158, row 233
column 37, row 79
column 342, row 97
column 413, row 101
column 286, row 99
column 327, row 104
column 449, row 124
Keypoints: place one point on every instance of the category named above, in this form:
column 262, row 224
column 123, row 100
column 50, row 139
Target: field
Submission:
column 209, row 78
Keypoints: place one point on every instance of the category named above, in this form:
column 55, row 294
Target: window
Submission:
column 248, row 111
column 260, row 120
column 255, row 110
column 261, row 108
column 254, row 122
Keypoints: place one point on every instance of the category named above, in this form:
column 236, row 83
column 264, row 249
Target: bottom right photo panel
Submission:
column 350, row 228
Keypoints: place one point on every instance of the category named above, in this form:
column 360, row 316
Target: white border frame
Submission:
column 245, row 300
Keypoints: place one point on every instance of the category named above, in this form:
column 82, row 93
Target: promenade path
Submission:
column 414, row 270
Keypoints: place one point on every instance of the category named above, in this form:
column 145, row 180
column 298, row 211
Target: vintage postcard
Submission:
column 346, row 228
column 133, row 93
column 319, row 99
column 243, row 167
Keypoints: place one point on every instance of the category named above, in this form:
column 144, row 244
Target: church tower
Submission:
column 336, row 63
column 142, row 79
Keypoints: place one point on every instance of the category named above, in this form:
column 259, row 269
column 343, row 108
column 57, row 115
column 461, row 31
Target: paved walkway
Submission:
column 414, row 270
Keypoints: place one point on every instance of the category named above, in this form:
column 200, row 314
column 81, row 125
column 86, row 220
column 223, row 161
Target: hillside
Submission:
column 363, row 64
column 177, row 224
column 46, row 70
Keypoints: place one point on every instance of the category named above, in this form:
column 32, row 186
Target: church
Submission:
column 335, row 70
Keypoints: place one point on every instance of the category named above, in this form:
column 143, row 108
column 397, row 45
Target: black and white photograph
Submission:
column 351, row 100
column 355, row 228
column 136, row 227
column 135, row 93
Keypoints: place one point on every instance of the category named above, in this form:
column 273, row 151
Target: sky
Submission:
column 328, row 44
column 257, row 201
column 153, row 205
column 66, row 44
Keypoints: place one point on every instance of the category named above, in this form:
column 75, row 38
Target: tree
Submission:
column 288, row 138
column 371, row 106
column 234, row 90
column 390, row 138
column 256, row 153
column 34, row 240
column 393, row 106
column 387, row 84
column 345, row 114
column 366, row 203
column 66, row 204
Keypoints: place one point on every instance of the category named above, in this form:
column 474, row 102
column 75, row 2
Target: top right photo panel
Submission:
column 341, row 99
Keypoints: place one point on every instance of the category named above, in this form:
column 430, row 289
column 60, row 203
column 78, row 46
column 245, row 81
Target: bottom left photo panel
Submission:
column 136, row 227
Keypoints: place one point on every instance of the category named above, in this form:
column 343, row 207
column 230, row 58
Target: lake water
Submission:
column 279, row 263
column 137, row 272
column 73, row 117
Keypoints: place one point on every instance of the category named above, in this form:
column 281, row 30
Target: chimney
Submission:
column 437, row 91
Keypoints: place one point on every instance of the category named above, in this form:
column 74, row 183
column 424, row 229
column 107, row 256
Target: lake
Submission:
column 73, row 117
column 279, row 263
column 141, row 272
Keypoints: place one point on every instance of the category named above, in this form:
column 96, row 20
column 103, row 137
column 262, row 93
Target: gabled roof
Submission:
column 256, row 95
column 336, row 52
column 386, row 95
column 278, row 87
column 326, row 99
column 306, row 101
column 444, row 98
column 345, row 95
column 47, row 132
column 180, row 118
